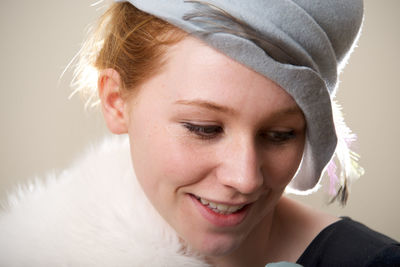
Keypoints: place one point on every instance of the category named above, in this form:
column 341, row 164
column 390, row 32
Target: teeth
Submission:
column 233, row 208
column 220, row 208
column 203, row 201
column 212, row 205
column 223, row 207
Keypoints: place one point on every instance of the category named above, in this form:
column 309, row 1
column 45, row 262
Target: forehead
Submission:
column 195, row 71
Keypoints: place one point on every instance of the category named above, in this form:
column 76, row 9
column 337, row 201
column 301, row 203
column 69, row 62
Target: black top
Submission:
column 349, row 243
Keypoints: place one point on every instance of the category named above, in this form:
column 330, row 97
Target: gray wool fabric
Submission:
column 299, row 44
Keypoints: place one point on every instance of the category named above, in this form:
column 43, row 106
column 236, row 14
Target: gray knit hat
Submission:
column 299, row 44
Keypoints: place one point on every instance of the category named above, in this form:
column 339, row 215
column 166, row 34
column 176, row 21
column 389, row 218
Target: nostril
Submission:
column 245, row 184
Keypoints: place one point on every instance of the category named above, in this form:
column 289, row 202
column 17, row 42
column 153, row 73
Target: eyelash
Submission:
column 203, row 131
column 211, row 131
column 279, row 137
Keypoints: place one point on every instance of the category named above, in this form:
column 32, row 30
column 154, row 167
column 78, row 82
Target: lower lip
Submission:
column 218, row 219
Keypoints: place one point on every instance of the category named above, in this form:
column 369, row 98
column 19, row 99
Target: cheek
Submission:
column 282, row 166
column 166, row 162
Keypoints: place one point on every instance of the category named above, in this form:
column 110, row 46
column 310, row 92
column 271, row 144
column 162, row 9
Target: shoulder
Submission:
column 350, row 243
column 65, row 206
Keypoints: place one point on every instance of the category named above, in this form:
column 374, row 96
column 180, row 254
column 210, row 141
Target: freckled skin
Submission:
column 240, row 164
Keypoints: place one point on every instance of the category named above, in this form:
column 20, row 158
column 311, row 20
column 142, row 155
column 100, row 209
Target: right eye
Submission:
column 203, row 131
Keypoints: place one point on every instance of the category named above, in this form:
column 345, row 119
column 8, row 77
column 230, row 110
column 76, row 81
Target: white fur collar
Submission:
column 92, row 214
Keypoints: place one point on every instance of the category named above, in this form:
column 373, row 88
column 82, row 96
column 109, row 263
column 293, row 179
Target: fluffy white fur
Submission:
column 92, row 214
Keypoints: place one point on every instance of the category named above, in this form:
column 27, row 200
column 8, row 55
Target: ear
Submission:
column 109, row 85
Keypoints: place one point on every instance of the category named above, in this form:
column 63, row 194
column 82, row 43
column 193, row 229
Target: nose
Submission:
column 240, row 166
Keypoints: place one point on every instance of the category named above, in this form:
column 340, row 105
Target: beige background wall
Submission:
column 41, row 130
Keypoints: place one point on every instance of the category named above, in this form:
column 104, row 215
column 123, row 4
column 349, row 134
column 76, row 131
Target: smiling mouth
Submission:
column 220, row 208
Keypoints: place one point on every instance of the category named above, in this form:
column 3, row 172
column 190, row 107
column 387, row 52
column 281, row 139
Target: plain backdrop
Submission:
column 42, row 130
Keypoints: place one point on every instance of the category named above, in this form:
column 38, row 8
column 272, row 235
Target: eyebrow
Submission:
column 208, row 105
column 291, row 110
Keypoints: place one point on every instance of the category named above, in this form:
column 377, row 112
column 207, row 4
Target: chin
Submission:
column 218, row 245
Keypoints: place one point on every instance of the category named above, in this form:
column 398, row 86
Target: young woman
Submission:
column 225, row 105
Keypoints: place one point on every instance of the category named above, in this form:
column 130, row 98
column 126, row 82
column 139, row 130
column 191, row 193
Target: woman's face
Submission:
column 214, row 145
